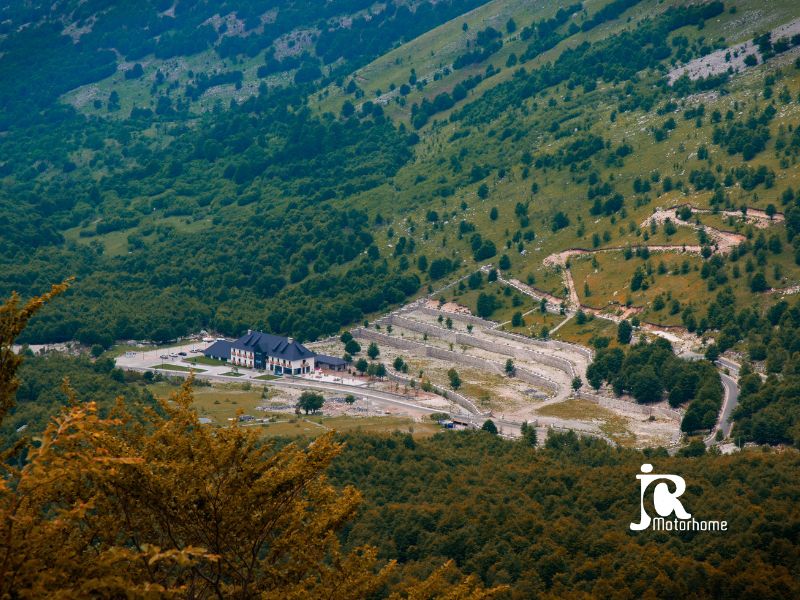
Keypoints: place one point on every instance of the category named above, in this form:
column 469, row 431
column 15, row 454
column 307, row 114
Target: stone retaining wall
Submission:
column 459, row 399
column 565, row 346
column 490, row 327
column 451, row 356
column 456, row 316
column 376, row 336
column 457, row 337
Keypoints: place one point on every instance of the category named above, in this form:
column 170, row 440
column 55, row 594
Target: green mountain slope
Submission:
column 507, row 135
column 130, row 47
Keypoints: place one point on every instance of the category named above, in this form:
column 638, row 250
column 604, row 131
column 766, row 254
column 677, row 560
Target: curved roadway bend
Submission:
column 729, row 404
column 731, row 395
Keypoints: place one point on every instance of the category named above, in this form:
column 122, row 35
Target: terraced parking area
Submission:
column 478, row 351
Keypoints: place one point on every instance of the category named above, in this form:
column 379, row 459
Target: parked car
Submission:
column 163, row 356
column 181, row 353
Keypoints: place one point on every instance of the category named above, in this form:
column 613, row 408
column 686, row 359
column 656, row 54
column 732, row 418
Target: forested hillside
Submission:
column 234, row 165
column 106, row 37
column 41, row 394
column 128, row 188
column 553, row 523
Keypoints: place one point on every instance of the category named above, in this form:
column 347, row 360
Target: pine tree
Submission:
column 528, row 434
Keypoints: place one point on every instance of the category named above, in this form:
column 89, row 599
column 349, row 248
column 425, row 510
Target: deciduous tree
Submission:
column 488, row 425
column 310, row 401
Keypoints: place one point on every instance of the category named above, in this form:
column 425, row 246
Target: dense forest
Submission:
column 41, row 395
column 769, row 409
column 269, row 155
column 307, row 163
column 156, row 27
column 553, row 522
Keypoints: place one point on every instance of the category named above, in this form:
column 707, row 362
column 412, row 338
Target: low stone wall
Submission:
column 376, row 336
column 565, row 346
column 456, row 316
column 490, row 327
column 459, row 399
column 457, row 337
column 454, row 357
column 482, row 363
column 519, row 353
column 448, row 335
column 551, row 305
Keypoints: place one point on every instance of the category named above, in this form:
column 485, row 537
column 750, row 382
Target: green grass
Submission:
column 218, row 402
column 266, row 377
column 544, row 278
column 558, row 190
column 751, row 20
column 169, row 367
column 609, row 282
column 313, row 426
column 136, row 92
column 233, row 374
column 505, row 297
column 611, row 424
column 115, row 243
column 482, row 386
column 222, row 402
column 722, row 222
column 534, row 321
column 204, row 360
column 120, row 349
column 438, row 48
column 582, row 334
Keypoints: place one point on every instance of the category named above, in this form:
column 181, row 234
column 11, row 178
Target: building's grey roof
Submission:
column 330, row 360
column 272, row 345
column 219, row 348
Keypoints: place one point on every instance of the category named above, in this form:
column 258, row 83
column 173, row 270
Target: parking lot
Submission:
column 180, row 357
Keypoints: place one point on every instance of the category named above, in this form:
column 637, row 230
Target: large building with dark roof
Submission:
column 219, row 350
column 273, row 353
